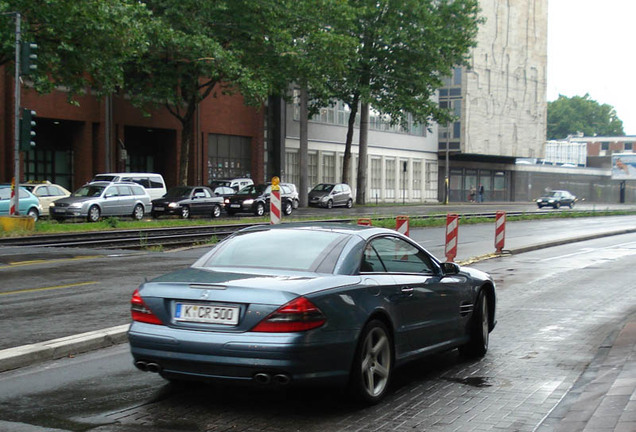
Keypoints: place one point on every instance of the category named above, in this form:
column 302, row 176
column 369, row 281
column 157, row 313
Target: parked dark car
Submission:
column 255, row 199
column 331, row 195
column 309, row 303
column 187, row 201
column 556, row 199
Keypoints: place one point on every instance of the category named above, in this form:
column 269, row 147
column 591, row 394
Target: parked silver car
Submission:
column 331, row 195
column 97, row 199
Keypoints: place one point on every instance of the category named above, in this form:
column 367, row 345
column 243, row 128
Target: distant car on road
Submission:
column 331, row 195
column 46, row 192
column 296, row 304
column 97, row 199
column 255, row 199
column 556, row 199
column 29, row 203
column 186, row 201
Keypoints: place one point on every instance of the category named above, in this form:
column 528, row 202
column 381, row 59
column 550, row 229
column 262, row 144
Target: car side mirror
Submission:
column 450, row 268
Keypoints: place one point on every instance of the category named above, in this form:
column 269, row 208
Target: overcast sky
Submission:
column 591, row 50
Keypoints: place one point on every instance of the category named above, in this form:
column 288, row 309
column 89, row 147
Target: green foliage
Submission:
column 581, row 114
column 404, row 49
column 111, row 222
column 81, row 44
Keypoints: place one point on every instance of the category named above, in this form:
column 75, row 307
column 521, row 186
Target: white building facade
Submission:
column 402, row 162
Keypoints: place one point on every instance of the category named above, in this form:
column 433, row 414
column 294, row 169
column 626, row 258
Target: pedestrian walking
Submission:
column 480, row 197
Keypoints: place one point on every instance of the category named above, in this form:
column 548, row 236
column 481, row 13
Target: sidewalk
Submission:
column 604, row 397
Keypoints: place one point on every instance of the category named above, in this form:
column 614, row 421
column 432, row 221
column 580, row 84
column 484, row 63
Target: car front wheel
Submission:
column 33, row 213
column 373, row 363
column 349, row 203
column 479, row 330
column 329, row 204
column 94, row 214
column 185, row 212
column 287, row 208
column 138, row 212
column 260, row 209
column 557, row 205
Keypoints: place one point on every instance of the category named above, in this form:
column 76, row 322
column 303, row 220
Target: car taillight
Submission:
column 140, row 311
column 298, row 315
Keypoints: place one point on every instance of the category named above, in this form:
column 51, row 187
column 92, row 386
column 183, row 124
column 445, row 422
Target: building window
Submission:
column 457, row 76
column 604, row 146
column 390, row 178
column 312, row 169
column 376, row 177
column 417, row 179
column 329, row 168
column 229, row 156
column 629, row 146
column 457, row 129
column 292, row 171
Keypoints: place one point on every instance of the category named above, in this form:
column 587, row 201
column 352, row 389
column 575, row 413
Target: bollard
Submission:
column 274, row 202
column 402, row 225
column 500, row 230
column 452, row 231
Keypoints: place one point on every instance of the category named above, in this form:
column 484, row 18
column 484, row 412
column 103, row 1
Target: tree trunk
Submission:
column 187, row 138
column 346, row 160
column 303, row 186
column 361, row 192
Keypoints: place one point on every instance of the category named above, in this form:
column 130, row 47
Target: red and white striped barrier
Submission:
column 274, row 202
column 365, row 222
column 452, row 231
column 402, row 225
column 500, row 230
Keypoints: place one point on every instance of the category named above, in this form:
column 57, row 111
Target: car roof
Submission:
column 339, row 227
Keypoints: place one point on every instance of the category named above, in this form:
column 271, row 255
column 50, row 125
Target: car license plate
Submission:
column 235, row 205
column 159, row 208
column 211, row 314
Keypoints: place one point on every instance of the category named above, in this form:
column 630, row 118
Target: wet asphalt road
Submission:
column 557, row 307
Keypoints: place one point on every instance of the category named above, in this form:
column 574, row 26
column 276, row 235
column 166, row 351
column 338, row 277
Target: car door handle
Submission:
column 407, row 290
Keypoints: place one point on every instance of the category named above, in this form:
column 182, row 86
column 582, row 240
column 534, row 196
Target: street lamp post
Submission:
column 447, row 178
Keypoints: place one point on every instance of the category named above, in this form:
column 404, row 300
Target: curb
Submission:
column 13, row 358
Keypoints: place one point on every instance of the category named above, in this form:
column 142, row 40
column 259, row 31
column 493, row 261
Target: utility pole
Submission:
column 447, row 166
column 15, row 205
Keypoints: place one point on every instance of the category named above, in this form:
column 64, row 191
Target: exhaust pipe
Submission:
column 281, row 379
column 262, row 378
column 141, row 365
column 153, row 367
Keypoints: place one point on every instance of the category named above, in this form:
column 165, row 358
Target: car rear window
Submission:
column 298, row 249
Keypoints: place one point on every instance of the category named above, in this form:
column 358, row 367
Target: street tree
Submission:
column 205, row 49
column 582, row 114
column 405, row 48
column 81, row 44
column 316, row 55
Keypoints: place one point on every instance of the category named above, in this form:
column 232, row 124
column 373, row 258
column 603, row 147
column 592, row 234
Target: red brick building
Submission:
column 75, row 142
